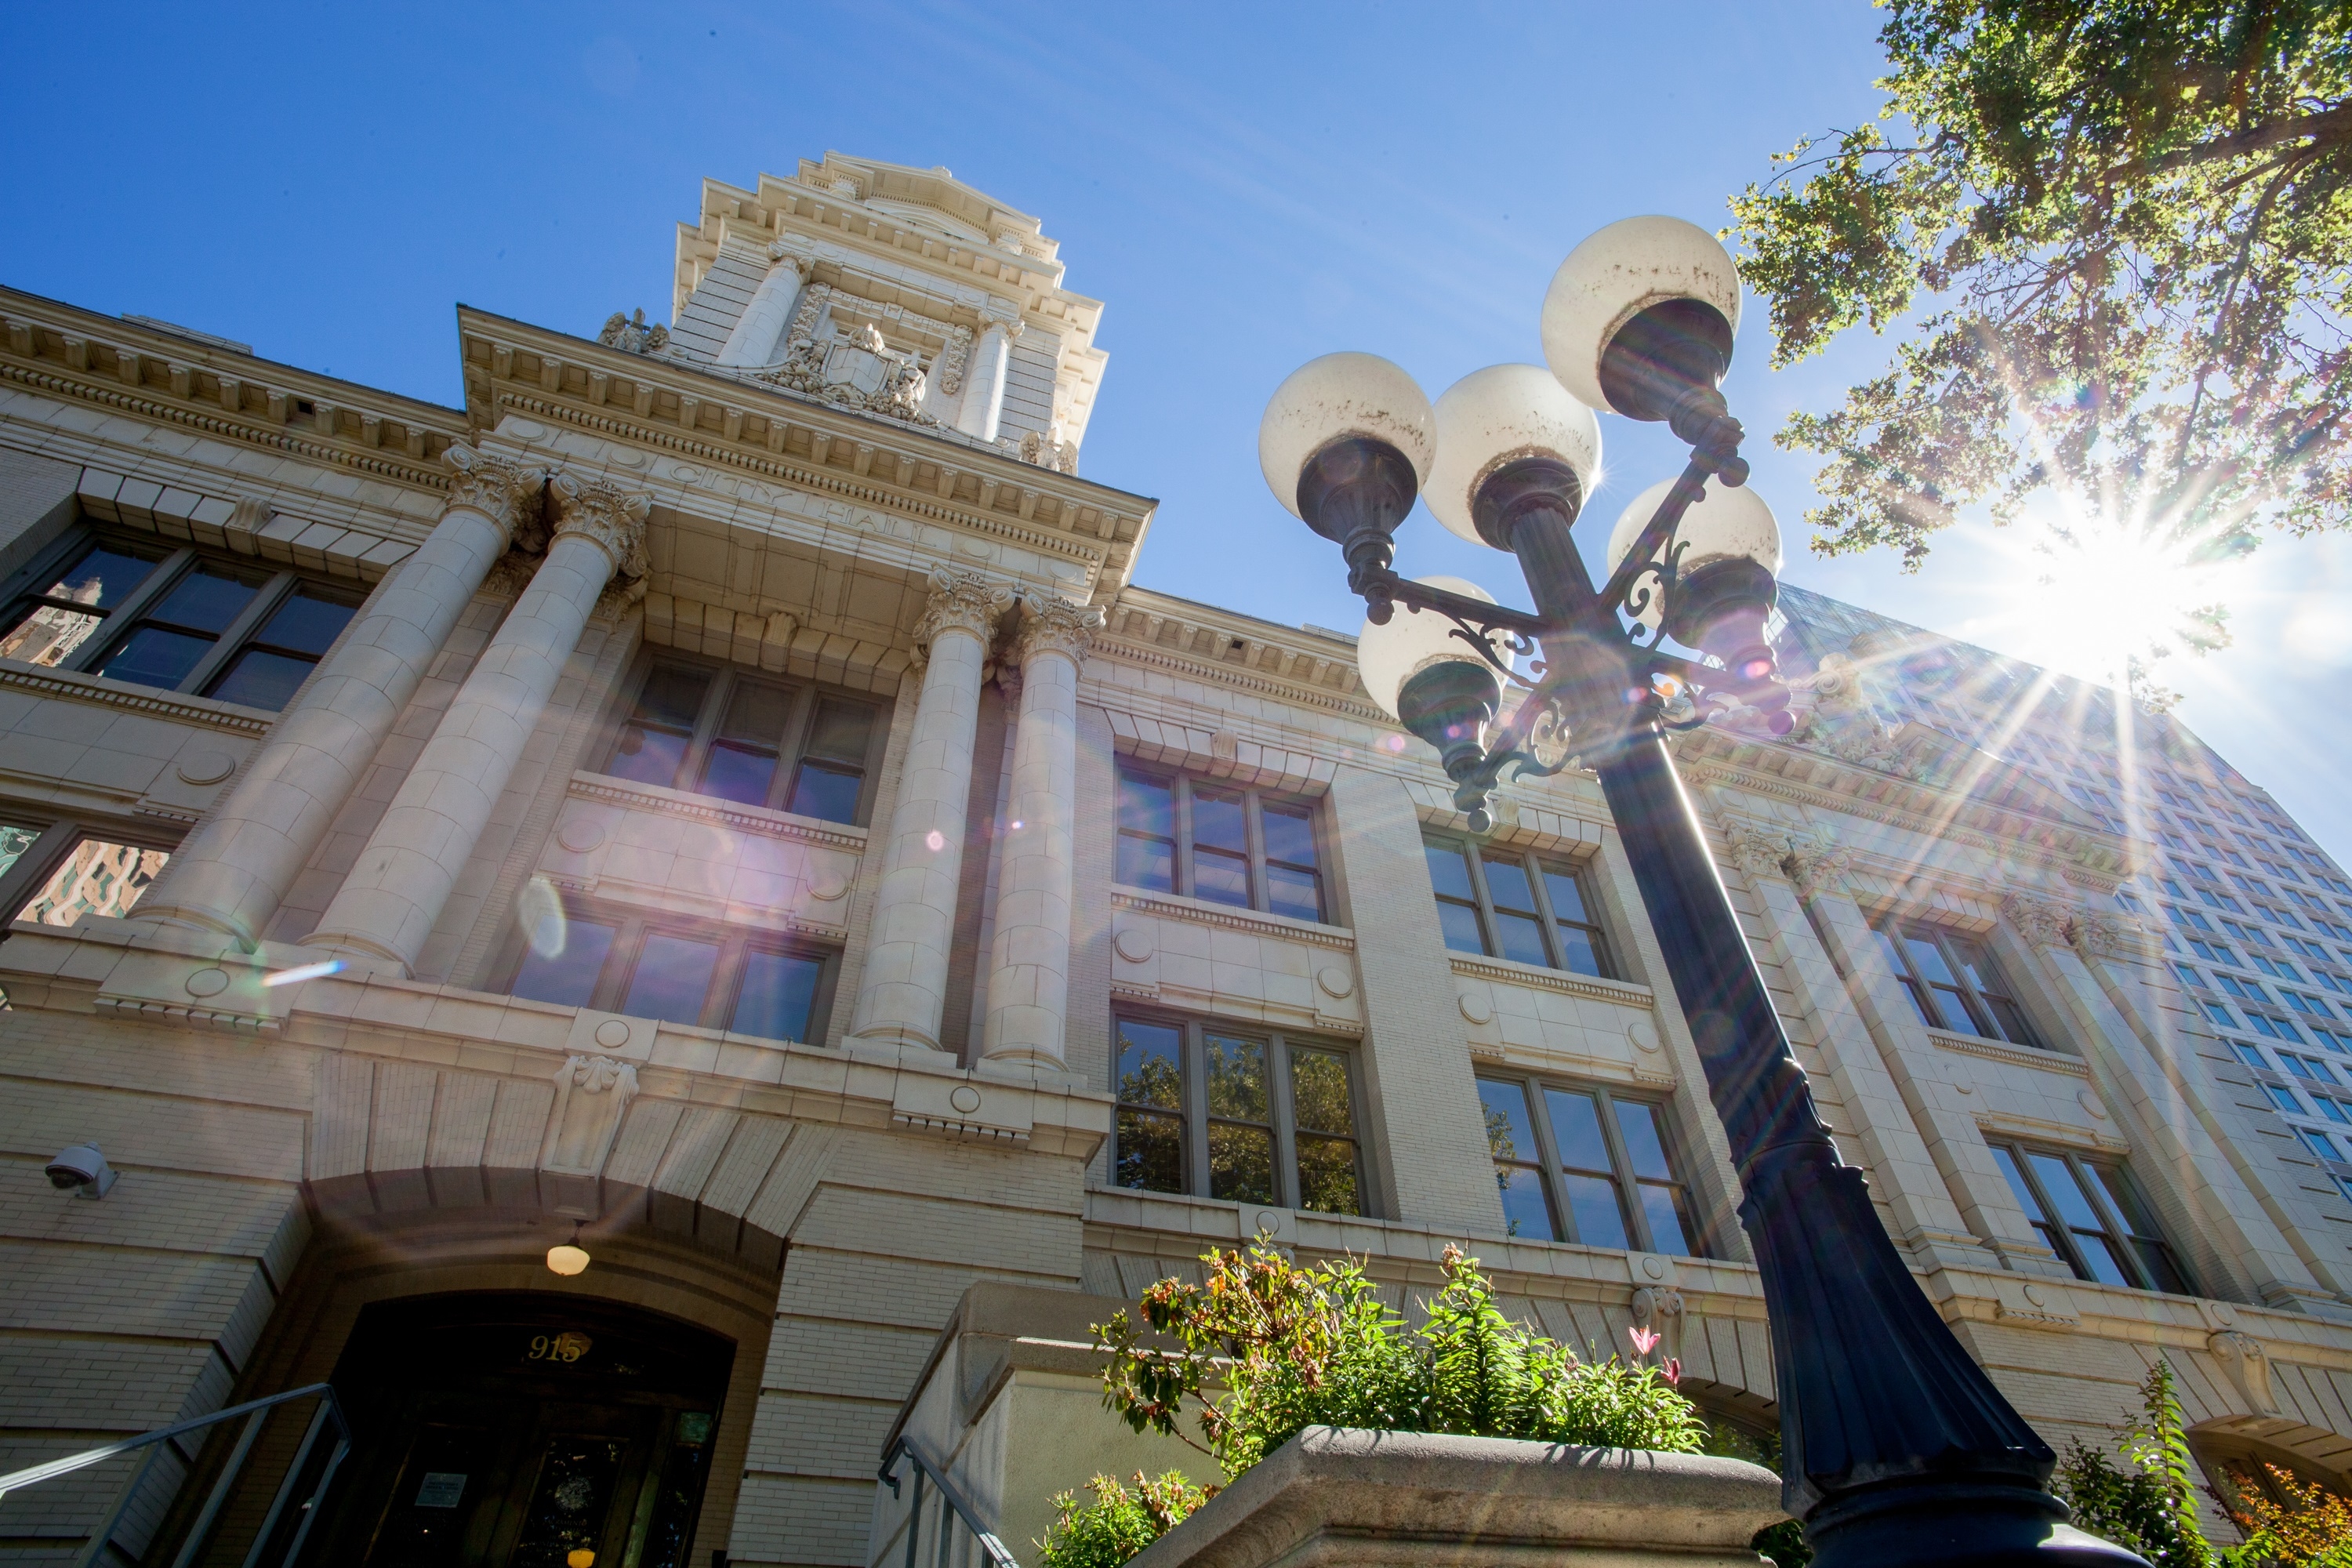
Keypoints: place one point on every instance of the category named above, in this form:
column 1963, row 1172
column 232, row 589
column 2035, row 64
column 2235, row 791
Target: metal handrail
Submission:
column 254, row 1412
column 990, row 1546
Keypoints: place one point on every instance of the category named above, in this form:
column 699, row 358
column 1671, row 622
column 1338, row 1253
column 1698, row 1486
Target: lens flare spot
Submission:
column 935, row 840
column 541, row 909
column 302, row 971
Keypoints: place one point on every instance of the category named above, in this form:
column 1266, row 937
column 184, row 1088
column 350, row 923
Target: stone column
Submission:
column 1926, row 1160
column 388, row 904
column 983, row 385
column 904, row 988
column 1029, row 971
column 753, row 340
column 1942, row 1120
column 2236, row 1216
column 231, row 876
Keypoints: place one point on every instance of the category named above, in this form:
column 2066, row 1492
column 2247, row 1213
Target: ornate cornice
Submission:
column 1196, row 911
column 1225, row 674
column 1093, row 556
column 500, row 488
column 607, row 516
column 277, row 440
column 1624, row 993
column 1718, row 759
column 961, row 600
column 1053, row 625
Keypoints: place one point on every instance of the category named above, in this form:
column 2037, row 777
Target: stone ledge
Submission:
column 1624, row 993
column 2016, row 1056
column 1337, row 1495
column 610, row 791
column 1199, row 912
column 74, row 687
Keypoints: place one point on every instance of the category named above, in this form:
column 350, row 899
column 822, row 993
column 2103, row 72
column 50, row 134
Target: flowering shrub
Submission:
column 1304, row 1347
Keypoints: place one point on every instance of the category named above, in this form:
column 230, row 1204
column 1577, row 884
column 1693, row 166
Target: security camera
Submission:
column 81, row 1170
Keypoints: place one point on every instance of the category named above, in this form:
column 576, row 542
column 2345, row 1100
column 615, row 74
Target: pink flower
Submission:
column 1674, row 1369
column 1644, row 1340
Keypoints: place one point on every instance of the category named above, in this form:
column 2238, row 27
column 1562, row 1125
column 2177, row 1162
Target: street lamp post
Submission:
column 1897, row 1448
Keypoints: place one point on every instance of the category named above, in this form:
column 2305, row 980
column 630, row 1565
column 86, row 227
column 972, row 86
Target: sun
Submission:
column 2101, row 600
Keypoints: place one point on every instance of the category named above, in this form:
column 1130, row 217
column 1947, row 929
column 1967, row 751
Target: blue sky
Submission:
column 1246, row 186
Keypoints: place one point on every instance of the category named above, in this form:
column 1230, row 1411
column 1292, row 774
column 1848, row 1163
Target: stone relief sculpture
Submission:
column 1047, row 452
column 856, row 369
column 1841, row 723
column 632, row 335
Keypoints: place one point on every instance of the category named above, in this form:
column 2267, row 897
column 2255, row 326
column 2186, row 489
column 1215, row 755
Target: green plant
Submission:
column 2149, row 1507
column 1784, row 1544
column 1295, row 1347
column 1119, row 1523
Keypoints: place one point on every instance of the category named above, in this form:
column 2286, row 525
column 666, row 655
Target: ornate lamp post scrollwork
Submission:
column 1897, row 1448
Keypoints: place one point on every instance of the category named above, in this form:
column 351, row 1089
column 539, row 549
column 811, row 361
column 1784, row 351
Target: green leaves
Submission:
column 2120, row 234
column 1294, row 1348
column 1119, row 1523
column 2152, row 1507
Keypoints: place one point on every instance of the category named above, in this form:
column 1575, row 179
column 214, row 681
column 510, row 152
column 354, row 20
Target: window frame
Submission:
column 1894, row 932
column 2114, row 1226
column 1180, row 784
column 1194, row 1032
column 24, row 591
column 792, row 746
column 1535, row 864
column 50, row 845
column 1552, row 1167
column 631, row 926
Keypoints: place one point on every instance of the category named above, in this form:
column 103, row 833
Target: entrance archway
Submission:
column 524, row 1429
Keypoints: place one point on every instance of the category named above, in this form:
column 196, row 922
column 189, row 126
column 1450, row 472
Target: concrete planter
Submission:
column 1340, row 1496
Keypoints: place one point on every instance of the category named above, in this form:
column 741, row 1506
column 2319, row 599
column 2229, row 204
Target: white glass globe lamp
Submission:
column 1494, row 418
column 1342, row 400
column 1640, row 312
column 1429, row 679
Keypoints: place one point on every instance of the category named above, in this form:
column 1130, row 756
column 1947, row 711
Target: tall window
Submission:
column 678, row 971
column 739, row 737
column 1510, row 903
column 1227, row 843
column 1952, row 982
column 1248, row 1116
column 184, row 620
column 2089, row 1214
column 1584, row 1164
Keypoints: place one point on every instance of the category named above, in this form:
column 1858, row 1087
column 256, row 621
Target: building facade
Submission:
column 718, row 800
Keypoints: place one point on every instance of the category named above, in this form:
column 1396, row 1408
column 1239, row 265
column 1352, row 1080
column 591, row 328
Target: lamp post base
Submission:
column 1945, row 1524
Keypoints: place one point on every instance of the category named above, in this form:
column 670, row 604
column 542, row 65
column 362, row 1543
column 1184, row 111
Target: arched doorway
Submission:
column 523, row 1429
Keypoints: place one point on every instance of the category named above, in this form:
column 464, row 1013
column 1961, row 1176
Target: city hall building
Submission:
column 716, row 807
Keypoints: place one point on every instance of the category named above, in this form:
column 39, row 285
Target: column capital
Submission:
column 606, row 515
column 795, row 252
column 2039, row 921
column 499, row 488
column 961, row 600
column 1756, row 852
column 1819, row 867
column 998, row 315
column 1050, row 624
